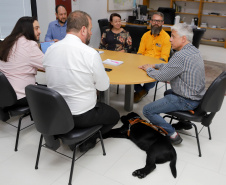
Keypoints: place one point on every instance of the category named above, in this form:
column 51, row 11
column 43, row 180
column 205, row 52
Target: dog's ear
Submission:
column 135, row 114
column 132, row 115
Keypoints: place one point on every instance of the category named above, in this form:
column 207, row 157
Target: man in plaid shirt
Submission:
column 186, row 74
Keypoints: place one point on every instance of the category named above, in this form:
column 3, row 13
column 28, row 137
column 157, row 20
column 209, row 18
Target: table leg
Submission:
column 104, row 96
column 129, row 95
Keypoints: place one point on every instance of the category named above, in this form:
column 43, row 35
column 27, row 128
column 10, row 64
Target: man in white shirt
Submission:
column 75, row 70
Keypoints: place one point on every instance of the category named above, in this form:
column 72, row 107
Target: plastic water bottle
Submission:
column 192, row 22
column 177, row 19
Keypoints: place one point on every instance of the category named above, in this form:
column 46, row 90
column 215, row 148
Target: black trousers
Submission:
column 101, row 114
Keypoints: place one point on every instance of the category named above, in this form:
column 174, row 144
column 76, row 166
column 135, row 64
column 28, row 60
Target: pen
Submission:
column 114, row 61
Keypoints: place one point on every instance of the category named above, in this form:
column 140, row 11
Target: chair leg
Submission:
column 156, row 87
column 166, row 85
column 117, row 88
column 31, row 117
column 209, row 133
column 197, row 138
column 102, row 143
column 72, row 165
column 18, row 133
column 39, row 151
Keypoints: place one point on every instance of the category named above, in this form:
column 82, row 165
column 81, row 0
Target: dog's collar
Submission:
column 139, row 120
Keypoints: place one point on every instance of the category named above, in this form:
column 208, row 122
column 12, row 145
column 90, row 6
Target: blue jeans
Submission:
column 170, row 103
column 146, row 86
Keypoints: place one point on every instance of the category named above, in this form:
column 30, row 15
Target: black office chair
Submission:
column 198, row 33
column 53, row 119
column 8, row 100
column 207, row 109
column 103, row 24
column 136, row 32
column 169, row 14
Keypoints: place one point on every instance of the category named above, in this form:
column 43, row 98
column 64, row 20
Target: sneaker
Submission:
column 176, row 140
column 186, row 125
column 138, row 96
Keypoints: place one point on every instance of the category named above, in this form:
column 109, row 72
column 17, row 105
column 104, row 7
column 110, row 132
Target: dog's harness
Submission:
column 139, row 120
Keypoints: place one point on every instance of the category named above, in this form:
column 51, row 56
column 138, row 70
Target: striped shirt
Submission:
column 185, row 71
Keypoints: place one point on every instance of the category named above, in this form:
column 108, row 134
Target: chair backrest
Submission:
column 103, row 24
column 7, row 94
column 136, row 32
column 131, row 19
column 214, row 95
column 49, row 110
column 169, row 14
column 198, row 33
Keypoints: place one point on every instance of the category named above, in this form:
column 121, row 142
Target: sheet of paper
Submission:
column 112, row 62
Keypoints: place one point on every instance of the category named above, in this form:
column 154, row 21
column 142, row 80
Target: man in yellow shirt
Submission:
column 154, row 43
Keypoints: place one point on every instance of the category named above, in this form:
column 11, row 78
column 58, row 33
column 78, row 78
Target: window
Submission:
column 11, row 11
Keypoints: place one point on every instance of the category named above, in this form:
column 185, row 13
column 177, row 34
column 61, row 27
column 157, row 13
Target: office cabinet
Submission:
column 213, row 14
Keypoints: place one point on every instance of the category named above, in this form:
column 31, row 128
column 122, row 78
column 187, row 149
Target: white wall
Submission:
column 46, row 14
column 97, row 9
column 11, row 11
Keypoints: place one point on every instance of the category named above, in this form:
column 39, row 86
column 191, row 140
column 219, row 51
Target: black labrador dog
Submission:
column 157, row 146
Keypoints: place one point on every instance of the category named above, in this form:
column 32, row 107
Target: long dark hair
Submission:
column 111, row 18
column 23, row 27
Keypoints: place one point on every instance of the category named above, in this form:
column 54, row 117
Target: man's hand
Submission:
column 122, row 51
column 146, row 66
column 55, row 40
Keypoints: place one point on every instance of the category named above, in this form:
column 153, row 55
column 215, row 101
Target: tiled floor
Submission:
column 123, row 157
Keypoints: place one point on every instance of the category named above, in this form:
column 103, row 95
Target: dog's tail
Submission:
column 173, row 165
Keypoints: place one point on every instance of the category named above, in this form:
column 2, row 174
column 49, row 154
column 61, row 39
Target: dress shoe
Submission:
column 90, row 143
column 138, row 96
column 186, row 125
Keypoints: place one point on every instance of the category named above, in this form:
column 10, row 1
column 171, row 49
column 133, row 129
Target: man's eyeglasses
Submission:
column 157, row 21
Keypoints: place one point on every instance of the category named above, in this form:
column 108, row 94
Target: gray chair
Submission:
column 198, row 33
column 103, row 24
column 207, row 109
column 53, row 119
column 136, row 32
column 169, row 14
column 8, row 107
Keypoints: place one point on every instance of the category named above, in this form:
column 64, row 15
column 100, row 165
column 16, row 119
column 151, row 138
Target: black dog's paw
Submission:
column 139, row 173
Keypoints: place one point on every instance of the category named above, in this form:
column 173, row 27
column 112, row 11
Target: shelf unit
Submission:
column 199, row 6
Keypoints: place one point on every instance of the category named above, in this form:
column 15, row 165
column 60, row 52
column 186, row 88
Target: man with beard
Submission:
column 57, row 29
column 76, row 71
column 154, row 43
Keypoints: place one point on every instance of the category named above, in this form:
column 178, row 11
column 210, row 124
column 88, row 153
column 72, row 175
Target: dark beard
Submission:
column 87, row 42
column 156, row 30
column 62, row 21
column 88, row 39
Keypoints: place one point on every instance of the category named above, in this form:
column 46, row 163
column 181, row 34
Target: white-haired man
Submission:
column 186, row 74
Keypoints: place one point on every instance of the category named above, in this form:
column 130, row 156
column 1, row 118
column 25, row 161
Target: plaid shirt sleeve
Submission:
column 167, row 71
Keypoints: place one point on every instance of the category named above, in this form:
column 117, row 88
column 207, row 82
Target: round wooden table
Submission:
column 127, row 73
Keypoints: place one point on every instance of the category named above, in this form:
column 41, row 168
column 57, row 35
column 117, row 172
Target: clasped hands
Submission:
column 146, row 66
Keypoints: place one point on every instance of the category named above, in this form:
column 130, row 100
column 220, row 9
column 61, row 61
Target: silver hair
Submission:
column 183, row 30
column 158, row 13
